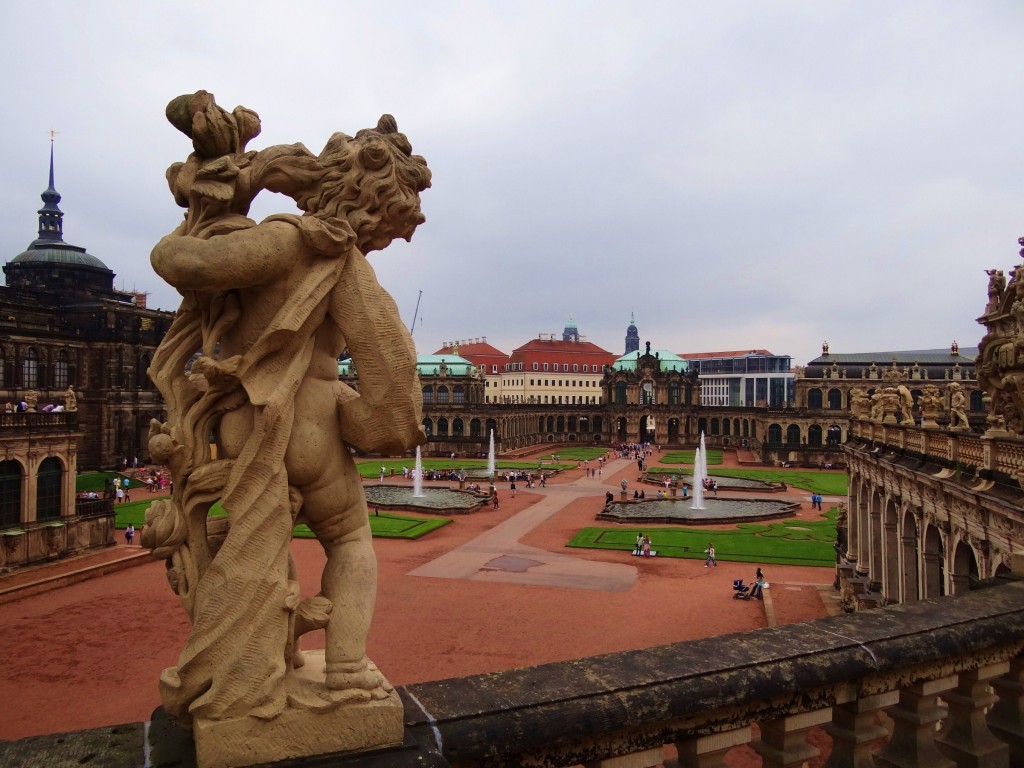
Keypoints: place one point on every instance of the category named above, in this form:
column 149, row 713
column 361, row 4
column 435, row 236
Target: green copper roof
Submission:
column 670, row 361
column 427, row 365
column 50, row 252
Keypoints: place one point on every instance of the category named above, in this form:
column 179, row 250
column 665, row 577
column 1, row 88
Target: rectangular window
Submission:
column 536, row 367
column 545, row 366
column 575, row 367
column 585, row 369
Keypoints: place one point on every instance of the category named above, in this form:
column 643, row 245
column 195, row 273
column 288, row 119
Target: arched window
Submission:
column 10, row 493
column 814, row 398
column 457, row 428
column 793, row 434
column 428, row 427
column 540, row 424
column 459, row 394
column 3, row 371
column 746, row 428
column 835, row 400
column 474, row 428
column 774, row 434
column 442, row 394
column 30, row 369
column 702, row 425
column 977, row 403
column 835, row 435
column 673, row 393
column 814, row 434
column 428, row 395
column 714, row 426
column 492, row 428
column 560, row 424
column 142, row 380
column 572, row 423
column 442, row 427
column 60, row 370
column 551, row 424
column 647, row 393
column 620, row 393
column 597, row 425
column 725, row 426
column 48, row 489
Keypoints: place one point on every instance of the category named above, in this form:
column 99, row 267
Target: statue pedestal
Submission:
column 300, row 731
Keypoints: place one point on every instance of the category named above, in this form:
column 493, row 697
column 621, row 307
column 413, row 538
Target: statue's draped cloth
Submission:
column 240, row 598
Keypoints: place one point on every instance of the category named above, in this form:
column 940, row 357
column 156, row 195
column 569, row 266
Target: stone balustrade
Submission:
column 924, row 664
column 994, row 453
column 38, row 421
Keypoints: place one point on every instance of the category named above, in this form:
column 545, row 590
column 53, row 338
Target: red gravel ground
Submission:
column 90, row 654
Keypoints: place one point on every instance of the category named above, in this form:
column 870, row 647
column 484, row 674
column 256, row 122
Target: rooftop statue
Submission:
column 1000, row 363
column 271, row 306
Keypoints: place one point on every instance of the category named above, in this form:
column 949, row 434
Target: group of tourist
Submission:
column 643, row 545
column 816, row 501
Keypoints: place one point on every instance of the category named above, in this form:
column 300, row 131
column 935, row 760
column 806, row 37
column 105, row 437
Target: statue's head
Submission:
column 373, row 181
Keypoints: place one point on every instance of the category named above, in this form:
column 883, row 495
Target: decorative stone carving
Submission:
column 70, row 400
column 31, row 400
column 860, row 403
column 931, row 405
column 957, row 408
column 270, row 307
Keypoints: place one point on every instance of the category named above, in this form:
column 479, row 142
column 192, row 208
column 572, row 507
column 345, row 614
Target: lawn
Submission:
column 789, row 542
column 577, row 453
column 687, row 457
column 97, row 481
column 826, row 483
column 386, row 525
column 370, row 468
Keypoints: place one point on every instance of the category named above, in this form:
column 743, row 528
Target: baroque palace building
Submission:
column 74, row 352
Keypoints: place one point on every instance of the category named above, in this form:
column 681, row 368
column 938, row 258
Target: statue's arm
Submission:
column 386, row 413
column 239, row 259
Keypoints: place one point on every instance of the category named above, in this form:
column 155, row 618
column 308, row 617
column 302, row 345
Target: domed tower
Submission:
column 632, row 336
column 570, row 332
column 50, row 264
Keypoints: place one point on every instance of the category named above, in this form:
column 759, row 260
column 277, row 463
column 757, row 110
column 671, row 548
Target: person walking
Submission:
column 512, row 488
column 129, row 534
column 757, row 591
column 710, row 552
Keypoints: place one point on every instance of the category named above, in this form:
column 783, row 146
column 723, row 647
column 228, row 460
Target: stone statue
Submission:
column 957, row 408
column 70, row 400
column 996, row 287
column 860, row 403
column 905, row 405
column 31, row 400
column 271, row 306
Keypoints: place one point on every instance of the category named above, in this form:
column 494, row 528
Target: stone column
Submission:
column 709, row 751
column 914, row 719
column 969, row 741
column 854, row 728
column 1006, row 718
column 783, row 742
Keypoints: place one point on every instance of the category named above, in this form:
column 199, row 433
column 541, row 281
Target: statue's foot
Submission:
column 360, row 675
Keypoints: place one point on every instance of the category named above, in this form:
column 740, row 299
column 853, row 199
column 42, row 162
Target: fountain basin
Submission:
column 434, row 501
column 681, row 511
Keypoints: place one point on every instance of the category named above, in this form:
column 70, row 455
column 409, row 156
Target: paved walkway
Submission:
column 498, row 555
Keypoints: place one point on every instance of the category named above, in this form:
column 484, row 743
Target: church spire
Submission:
column 51, row 219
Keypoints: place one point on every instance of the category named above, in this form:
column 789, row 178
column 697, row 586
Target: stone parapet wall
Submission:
column 49, row 540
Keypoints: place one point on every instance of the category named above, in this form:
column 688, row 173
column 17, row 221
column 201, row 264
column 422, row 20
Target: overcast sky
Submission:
column 737, row 175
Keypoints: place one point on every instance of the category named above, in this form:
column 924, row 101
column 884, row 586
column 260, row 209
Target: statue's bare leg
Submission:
column 339, row 519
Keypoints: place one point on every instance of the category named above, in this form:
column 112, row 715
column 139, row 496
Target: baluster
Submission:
column 709, row 751
column 913, row 735
column 969, row 741
column 1006, row 719
column 647, row 758
column 783, row 741
column 855, row 727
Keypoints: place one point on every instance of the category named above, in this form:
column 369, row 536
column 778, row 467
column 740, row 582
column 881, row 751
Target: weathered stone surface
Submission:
column 270, row 307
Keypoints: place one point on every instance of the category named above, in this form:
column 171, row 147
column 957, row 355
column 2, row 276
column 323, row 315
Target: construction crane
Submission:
column 415, row 314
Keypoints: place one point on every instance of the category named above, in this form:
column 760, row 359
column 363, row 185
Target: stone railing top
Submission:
column 659, row 694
